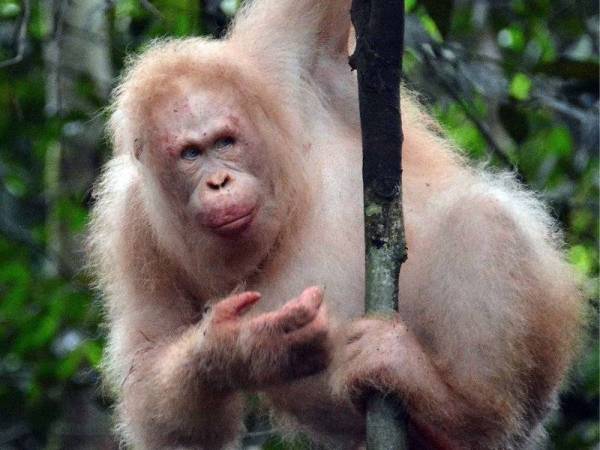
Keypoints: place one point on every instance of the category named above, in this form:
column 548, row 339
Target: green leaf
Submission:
column 93, row 353
column 69, row 366
column 73, row 214
column 511, row 38
column 15, row 283
column 559, row 142
column 461, row 130
column 9, row 10
column 544, row 39
column 39, row 336
column 581, row 220
column 520, row 86
column 591, row 369
column 581, row 257
column 431, row 28
column 15, row 185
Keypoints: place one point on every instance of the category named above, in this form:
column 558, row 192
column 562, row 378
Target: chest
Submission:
column 327, row 248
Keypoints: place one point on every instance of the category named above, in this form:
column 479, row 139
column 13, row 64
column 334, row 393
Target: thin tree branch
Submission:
column 379, row 26
column 494, row 148
column 481, row 126
column 21, row 37
column 148, row 6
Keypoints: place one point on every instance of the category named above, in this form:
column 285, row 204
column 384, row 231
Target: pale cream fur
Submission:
column 489, row 310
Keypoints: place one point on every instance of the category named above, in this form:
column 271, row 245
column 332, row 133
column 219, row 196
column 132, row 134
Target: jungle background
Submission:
column 514, row 82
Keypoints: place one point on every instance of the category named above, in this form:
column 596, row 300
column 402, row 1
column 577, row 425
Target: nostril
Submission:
column 226, row 180
column 218, row 181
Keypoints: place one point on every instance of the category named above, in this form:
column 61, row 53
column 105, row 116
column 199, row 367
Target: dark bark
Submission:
column 379, row 28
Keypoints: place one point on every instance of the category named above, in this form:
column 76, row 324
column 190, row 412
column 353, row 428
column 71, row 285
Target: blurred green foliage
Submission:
column 515, row 83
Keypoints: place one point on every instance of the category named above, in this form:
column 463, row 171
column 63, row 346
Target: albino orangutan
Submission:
column 227, row 239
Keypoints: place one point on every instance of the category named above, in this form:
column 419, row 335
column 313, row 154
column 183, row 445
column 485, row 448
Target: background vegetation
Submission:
column 515, row 83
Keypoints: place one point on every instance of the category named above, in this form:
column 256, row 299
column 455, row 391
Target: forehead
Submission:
column 197, row 101
column 186, row 103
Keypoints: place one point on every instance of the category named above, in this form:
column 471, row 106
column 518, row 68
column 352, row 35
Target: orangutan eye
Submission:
column 224, row 142
column 191, row 152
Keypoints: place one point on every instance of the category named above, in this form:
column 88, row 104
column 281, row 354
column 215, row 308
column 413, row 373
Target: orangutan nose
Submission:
column 219, row 180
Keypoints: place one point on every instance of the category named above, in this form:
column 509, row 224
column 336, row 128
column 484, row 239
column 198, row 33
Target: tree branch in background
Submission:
column 379, row 28
column 148, row 6
column 447, row 83
column 495, row 148
column 21, row 37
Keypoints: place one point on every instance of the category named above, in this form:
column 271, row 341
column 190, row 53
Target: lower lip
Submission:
column 235, row 227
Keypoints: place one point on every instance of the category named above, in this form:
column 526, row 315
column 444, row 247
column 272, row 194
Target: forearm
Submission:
column 171, row 395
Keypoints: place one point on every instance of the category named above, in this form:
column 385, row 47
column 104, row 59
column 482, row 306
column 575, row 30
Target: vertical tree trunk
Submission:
column 77, row 57
column 379, row 28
